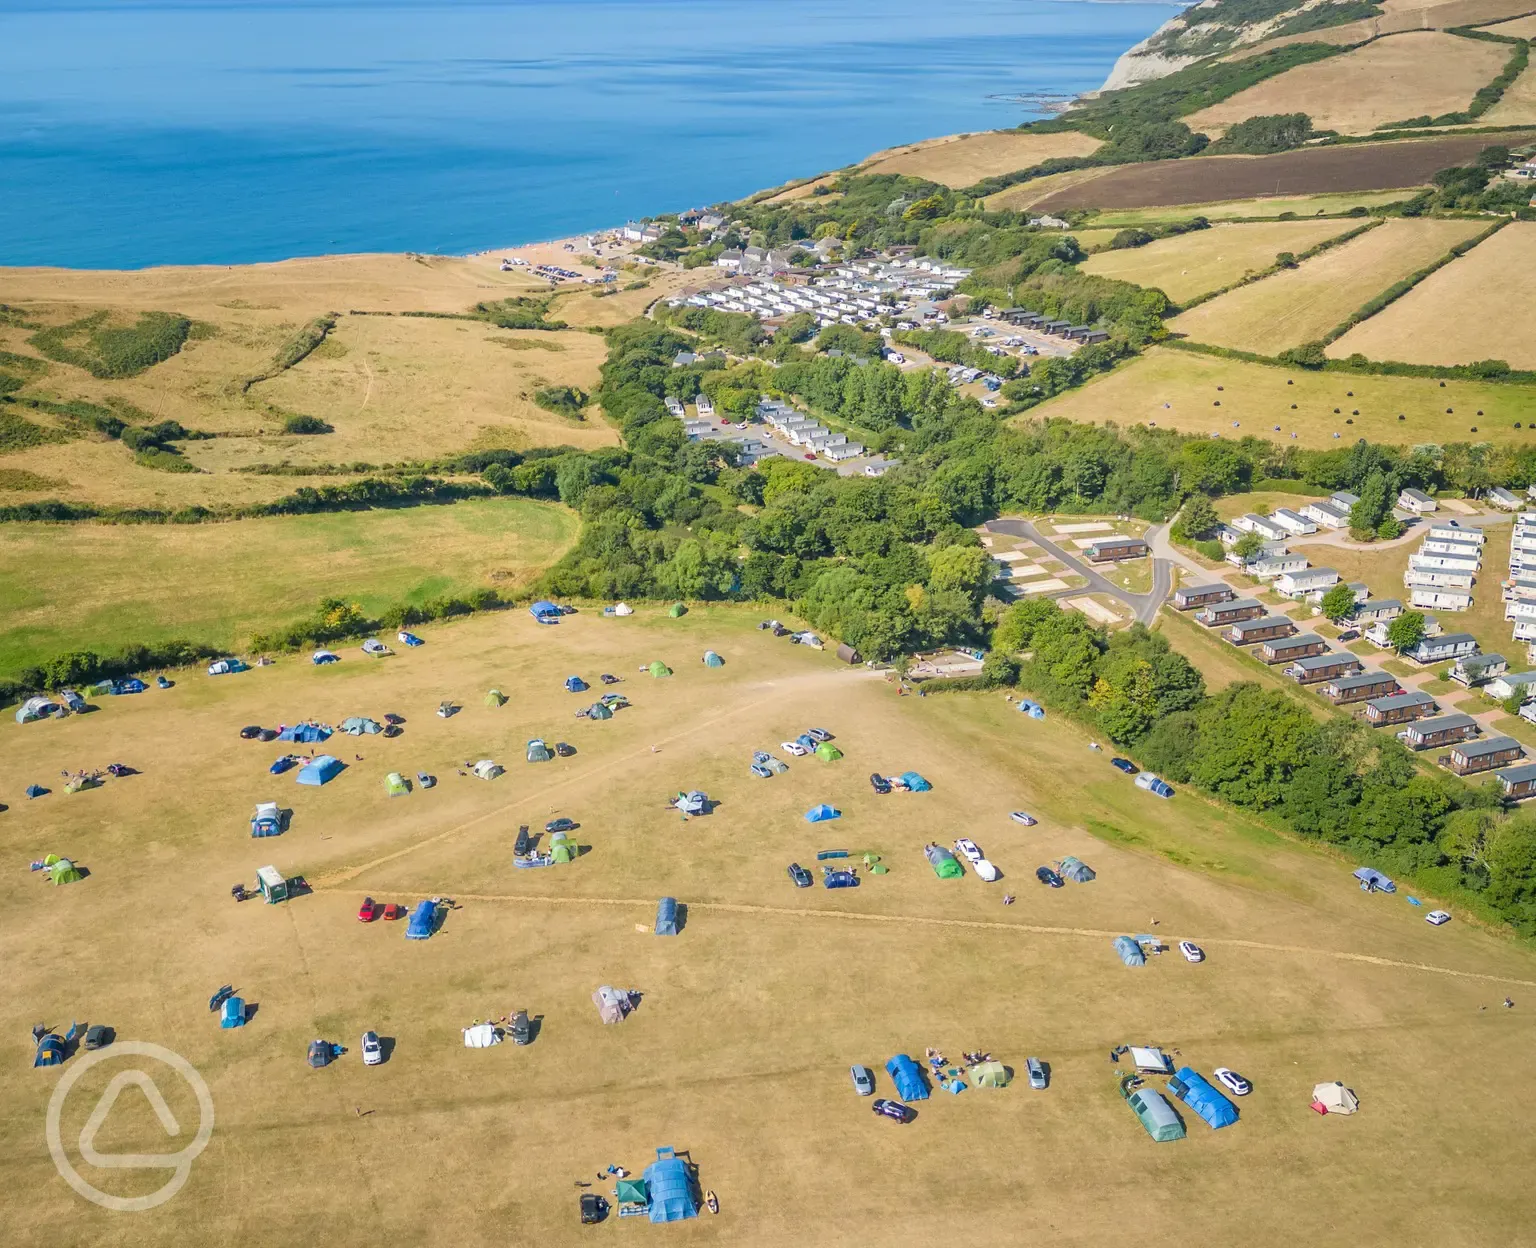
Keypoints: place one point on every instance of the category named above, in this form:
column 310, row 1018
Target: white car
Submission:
column 793, row 748
column 373, row 1052
column 985, row 870
column 968, row 849
column 1232, row 1081
column 1437, row 917
column 1024, row 817
column 1191, row 951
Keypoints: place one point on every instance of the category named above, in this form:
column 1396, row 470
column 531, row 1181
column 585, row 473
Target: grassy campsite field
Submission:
column 1178, row 390
column 750, row 1018
column 90, row 586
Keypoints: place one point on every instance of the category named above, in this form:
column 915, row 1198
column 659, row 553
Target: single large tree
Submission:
column 1406, row 631
column 1339, row 602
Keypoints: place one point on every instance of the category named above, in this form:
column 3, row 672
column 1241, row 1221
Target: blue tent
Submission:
column 575, row 684
column 666, row 917
column 321, row 657
column 820, row 814
column 132, row 685
column 545, row 612
column 1033, row 709
column 1373, row 881
column 423, row 921
column 233, row 1014
column 36, row 790
column 307, row 734
column 50, row 1051
column 320, row 769
column 670, row 1187
column 915, row 782
column 1191, row 1087
column 1130, row 952
column 907, row 1077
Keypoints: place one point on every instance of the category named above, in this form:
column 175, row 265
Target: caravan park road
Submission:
column 1143, row 606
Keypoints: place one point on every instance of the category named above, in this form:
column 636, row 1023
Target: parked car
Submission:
column 879, row 783
column 818, row 734
column 800, row 875
column 368, row 911
column 894, row 1110
column 1024, row 817
column 98, row 1036
column 964, row 845
column 1436, row 917
column 1125, row 765
column 1350, row 634
column 594, row 1208
column 1048, row 877
column 1232, row 1081
column 394, row 910
column 561, row 825
column 564, row 750
column 794, row 749
column 608, row 678
column 1035, row 1068
column 986, row 870
column 523, row 843
column 1191, row 951
column 522, row 1029
column 863, row 1080
column 373, row 1051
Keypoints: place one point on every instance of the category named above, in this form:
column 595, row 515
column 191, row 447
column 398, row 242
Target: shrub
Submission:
column 107, row 350
column 562, row 400
column 298, row 423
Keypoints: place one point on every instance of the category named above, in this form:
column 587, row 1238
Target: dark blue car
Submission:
column 800, row 875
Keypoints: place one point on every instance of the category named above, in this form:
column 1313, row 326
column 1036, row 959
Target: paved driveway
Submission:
column 1143, row 606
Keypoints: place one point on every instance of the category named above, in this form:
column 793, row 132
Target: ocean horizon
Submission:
column 239, row 131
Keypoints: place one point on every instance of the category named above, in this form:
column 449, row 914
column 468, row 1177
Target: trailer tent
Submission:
column 658, row 668
column 321, row 769
column 821, row 813
column 671, row 1189
column 907, row 1077
column 666, row 917
column 1156, row 1115
column 1130, row 952
column 828, row 753
column 1076, row 870
column 575, row 684
column 423, row 921
column 711, row 659
column 1191, row 1087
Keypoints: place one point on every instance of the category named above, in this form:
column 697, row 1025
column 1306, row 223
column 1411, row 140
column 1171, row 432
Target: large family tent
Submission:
column 991, row 1075
column 361, row 725
column 321, row 657
column 538, row 752
column 671, row 1188
column 828, row 753
column 36, row 708
column 396, row 785
column 481, row 1036
column 232, row 1012
column 50, row 1051
column 321, row 769
column 227, row 667
column 487, row 769
column 1076, row 870
column 599, row 710
column 1191, row 1087
column 658, row 668
column 711, row 659
column 495, row 698
column 613, row 1004
column 914, row 782
column 132, row 685
column 907, row 1077
column 692, row 802
column 63, row 871
column 267, row 820
column 545, row 612
column 1334, row 1098
column 666, row 917
column 1373, row 881
column 821, row 813
column 1130, row 952
column 305, row 734
column 943, row 862
column 575, row 684
column 423, row 921
column 562, row 848
column 677, row 610
column 1156, row 1115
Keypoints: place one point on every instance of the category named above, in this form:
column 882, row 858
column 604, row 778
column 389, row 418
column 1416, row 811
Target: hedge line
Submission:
column 1316, row 250
column 1370, row 368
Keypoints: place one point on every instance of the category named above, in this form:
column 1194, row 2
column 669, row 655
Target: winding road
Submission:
column 1143, row 606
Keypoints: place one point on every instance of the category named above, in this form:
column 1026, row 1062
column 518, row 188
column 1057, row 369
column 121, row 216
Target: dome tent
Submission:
column 677, row 610
column 658, row 668
column 828, row 753
column 396, row 784
column 599, row 710
column 321, row 769
column 495, row 698
column 711, row 659
column 575, row 684
column 63, row 871
column 822, row 813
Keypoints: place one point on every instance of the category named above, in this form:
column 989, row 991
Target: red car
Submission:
column 394, row 911
column 368, row 911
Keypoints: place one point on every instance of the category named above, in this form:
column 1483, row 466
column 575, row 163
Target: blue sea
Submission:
column 230, row 131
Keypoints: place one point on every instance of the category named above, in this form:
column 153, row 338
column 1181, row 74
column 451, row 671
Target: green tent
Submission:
column 947, row 869
column 599, row 710
column 495, row 698
column 633, row 1192
column 1156, row 1115
column 990, row 1075
column 828, row 753
column 711, row 659
column 561, row 849
column 63, row 871
column 677, row 609
column 658, row 668
column 396, row 784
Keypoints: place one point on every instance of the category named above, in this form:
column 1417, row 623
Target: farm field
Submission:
column 1188, row 265
column 1518, row 28
column 97, row 586
column 1036, row 191
column 1398, row 16
column 1268, row 206
column 965, row 159
column 749, row 1019
column 1389, row 79
column 1473, row 309
column 1177, row 390
column 1517, row 107
column 1302, row 304
column 1317, row 170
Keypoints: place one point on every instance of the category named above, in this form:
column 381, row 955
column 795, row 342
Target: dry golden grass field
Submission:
column 1272, row 206
column 750, row 1018
column 801, row 190
column 1519, row 28
column 1178, row 390
column 964, row 159
column 1476, row 308
column 1517, row 107
column 1356, row 91
column 1302, row 304
column 1188, row 265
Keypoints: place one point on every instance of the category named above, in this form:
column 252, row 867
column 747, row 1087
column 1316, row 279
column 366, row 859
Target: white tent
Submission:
column 35, row 708
column 1151, row 1059
column 623, row 609
column 613, row 1004
column 481, row 1036
column 1335, row 1098
column 487, row 769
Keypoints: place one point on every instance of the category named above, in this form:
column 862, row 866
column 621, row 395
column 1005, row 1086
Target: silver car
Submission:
column 1036, row 1070
column 373, row 1051
column 863, row 1080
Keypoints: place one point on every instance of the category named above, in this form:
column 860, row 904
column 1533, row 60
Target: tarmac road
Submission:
column 1143, row 606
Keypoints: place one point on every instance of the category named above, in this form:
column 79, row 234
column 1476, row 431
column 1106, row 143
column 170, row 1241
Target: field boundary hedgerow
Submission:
column 1248, row 279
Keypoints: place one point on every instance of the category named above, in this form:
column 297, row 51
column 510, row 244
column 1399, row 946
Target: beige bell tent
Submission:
column 1334, row 1098
column 623, row 608
column 488, row 769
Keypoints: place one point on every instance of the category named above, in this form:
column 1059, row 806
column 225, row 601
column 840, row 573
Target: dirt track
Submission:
column 1208, row 179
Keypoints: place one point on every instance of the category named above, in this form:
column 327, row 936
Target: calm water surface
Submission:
column 135, row 134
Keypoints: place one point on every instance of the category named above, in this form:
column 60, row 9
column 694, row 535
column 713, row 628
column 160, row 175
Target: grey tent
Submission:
column 599, row 710
column 1156, row 1115
column 613, row 1004
column 1130, row 952
column 711, row 659
column 666, row 917
column 1076, row 870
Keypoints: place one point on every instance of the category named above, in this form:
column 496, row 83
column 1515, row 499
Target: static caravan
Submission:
column 1455, row 531
column 1425, row 562
column 1509, row 685
column 1324, row 667
column 1446, row 646
column 1373, row 609
column 1306, row 581
column 1361, row 687
column 1109, row 549
column 1271, row 566
column 1329, row 515
column 1292, row 522
column 1285, row 649
column 1437, row 579
column 1519, row 783
column 1439, row 730
column 1265, row 628
column 1470, row 757
column 1230, row 612
column 1399, row 708
column 1421, row 596
column 1476, row 668
column 1417, row 502
column 1201, row 596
